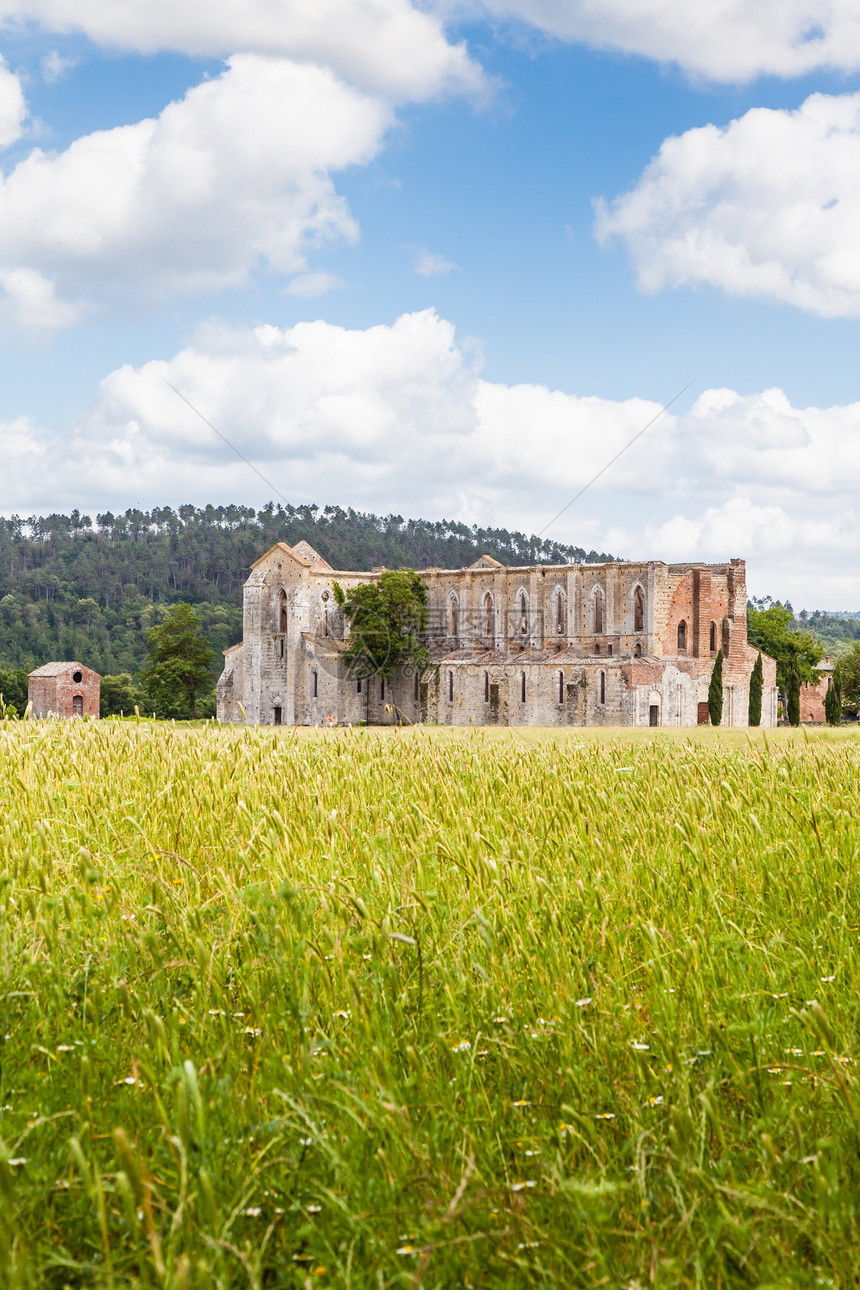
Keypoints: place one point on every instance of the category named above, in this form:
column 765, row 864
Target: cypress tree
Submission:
column 832, row 710
column 793, row 695
column 715, row 691
column 838, row 686
column 756, row 686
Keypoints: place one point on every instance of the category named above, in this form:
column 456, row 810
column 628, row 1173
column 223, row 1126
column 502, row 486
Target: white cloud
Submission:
column 234, row 177
column 31, row 303
column 768, row 206
column 723, row 40
column 385, row 46
column 398, row 418
column 13, row 106
column 309, row 285
column 428, row 265
column 55, row 65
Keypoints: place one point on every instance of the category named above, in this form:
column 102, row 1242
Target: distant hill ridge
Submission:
column 76, row 586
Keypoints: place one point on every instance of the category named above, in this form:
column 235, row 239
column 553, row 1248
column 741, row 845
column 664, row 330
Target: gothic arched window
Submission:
column 713, row 638
column 638, row 610
column 561, row 687
column 486, row 687
column 450, row 687
column 453, row 615
column 522, row 687
column 682, row 636
column 523, row 606
column 282, row 611
column 560, row 614
column 602, row 687
column 489, row 615
column 598, row 612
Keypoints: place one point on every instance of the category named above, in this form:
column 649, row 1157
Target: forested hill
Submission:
column 74, row 587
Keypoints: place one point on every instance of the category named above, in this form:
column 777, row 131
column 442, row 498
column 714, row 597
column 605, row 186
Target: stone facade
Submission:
column 620, row 644
column 64, row 690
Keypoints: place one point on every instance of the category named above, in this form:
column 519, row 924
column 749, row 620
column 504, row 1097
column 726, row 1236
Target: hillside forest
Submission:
column 89, row 588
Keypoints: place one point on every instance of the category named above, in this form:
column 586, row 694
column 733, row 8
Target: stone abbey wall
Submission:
column 628, row 643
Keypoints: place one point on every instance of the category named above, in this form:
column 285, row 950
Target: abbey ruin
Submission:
column 626, row 644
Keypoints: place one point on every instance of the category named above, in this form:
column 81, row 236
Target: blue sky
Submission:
column 364, row 240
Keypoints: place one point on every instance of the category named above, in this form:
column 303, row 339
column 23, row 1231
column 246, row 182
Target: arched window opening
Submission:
column 282, row 611
column 727, row 637
column 713, row 638
column 524, row 612
column 522, row 687
column 598, row 612
column 602, row 687
column 597, row 648
column 560, row 615
column 281, row 643
column 316, row 678
column 682, row 636
column 638, row 610
column 382, row 687
column 77, row 705
column 358, row 686
column 450, row 687
column 637, row 650
column 486, row 687
column 453, row 616
column 561, row 687
column 489, row 615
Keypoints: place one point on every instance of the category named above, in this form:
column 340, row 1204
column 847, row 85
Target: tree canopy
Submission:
column 715, row 691
column 387, row 621
column 178, row 670
column 849, row 677
column 770, row 630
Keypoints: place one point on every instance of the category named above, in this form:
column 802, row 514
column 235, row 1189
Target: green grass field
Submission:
column 391, row 1009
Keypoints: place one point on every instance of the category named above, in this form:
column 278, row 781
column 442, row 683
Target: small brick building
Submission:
column 812, row 696
column 64, row 690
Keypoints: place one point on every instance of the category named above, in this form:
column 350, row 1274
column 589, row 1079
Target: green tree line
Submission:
column 92, row 587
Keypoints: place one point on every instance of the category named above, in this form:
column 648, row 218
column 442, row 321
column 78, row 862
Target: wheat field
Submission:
column 391, row 1009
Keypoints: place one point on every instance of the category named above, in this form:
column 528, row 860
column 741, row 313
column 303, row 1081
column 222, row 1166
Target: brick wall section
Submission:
column 812, row 700
column 53, row 689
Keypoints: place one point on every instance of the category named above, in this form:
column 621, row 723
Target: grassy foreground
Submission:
column 376, row 1010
